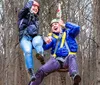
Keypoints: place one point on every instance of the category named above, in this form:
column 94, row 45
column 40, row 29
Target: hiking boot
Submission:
column 77, row 79
column 33, row 77
column 40, row 58
column 32, row 74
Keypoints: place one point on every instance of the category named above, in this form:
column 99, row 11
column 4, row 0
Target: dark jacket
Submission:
column 27, row 21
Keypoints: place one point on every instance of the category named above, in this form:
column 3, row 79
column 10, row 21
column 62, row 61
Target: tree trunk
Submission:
column 96, row 5
column 13, row 72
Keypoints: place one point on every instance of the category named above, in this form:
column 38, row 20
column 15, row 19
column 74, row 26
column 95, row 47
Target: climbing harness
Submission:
column 61, row 37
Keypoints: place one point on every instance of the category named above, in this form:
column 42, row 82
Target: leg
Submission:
column 26, row 46
column 37, row 44
column 73, row 69
column 51, row 66
column 27, row 49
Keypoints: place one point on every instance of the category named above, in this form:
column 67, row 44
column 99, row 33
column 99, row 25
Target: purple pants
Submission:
column 53, row 65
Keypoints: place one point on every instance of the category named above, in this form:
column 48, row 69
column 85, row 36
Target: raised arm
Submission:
column 74, row 29
column 25, row 9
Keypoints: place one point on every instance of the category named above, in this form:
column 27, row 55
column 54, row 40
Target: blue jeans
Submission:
column 27, row 44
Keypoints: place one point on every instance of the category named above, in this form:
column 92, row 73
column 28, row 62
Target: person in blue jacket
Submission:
column 63, row 52
column 28, row 24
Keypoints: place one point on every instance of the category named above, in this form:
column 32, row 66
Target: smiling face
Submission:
column 56, row 27
column 34, row 9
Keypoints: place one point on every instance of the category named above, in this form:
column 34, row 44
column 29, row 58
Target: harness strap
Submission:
column 58, row 41
column 63, row 40
column 63, row 36
column 54, row 55
column 72, row 53
column 67, row 47
column 54, row 35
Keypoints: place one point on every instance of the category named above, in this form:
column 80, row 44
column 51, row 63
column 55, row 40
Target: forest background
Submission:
column 85, row 13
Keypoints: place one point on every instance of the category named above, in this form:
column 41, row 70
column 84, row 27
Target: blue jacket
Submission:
column 71, row 32
column 28, row 20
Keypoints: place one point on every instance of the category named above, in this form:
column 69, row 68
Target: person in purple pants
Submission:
column 63, row 52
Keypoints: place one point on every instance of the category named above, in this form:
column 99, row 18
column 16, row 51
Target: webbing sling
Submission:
column 58, row 41
column 54, row 35
column 73, row 53
column 63, row 36
column 62, row 43
column 63, row 39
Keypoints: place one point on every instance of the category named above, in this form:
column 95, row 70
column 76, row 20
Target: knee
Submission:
column 37, row 41
column 27, row 53
column 41, row 68
column 42, row 72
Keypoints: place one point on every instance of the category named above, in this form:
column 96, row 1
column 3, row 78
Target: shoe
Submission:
column 32, row 74
column 33, row 77
column 77, row 79
column 40, row 58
